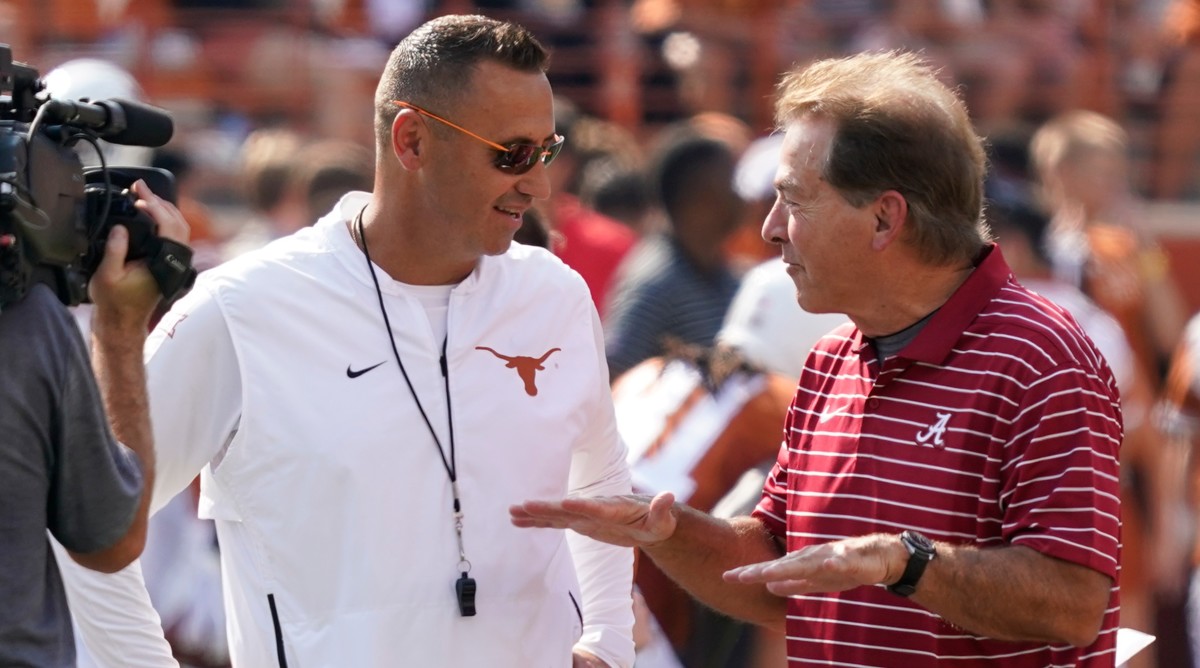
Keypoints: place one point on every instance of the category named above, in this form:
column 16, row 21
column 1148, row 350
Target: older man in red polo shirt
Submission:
column 947, row 490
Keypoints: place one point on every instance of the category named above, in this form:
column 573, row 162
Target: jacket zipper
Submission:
column 578, row 612
column 279, row 631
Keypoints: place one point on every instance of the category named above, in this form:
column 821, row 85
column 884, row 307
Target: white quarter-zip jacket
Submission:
column 275, row 379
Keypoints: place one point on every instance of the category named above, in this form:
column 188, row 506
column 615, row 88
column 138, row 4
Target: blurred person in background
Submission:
column 762, row 323
column 267, row 160
column 725, row 128
column 1179, row 418
column 704, row 424
column 622, row 193
column 324, row 171
column 588, row 242
column 678, row 283
column 695, row 419
column 1099, row 240
column 754, row 182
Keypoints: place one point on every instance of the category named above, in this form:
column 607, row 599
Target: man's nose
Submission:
column 774, row 228
column 536, row 182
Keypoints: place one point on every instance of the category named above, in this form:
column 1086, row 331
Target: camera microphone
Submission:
column 118, row 121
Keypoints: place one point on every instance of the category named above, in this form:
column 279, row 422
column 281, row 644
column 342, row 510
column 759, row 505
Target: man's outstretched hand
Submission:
column 828, row 567
column 627, row 521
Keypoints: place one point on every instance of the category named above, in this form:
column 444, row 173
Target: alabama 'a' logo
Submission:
column 527, row 367
column 933, row 435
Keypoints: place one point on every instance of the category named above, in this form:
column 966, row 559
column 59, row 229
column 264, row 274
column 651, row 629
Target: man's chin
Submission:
column 500, row 249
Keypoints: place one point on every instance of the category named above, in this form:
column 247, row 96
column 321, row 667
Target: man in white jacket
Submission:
column 365, row 398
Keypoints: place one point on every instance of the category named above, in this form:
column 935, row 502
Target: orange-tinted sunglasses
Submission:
column 515, row 158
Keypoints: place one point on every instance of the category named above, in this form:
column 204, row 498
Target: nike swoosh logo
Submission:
column 825, row 417
column 350, row 373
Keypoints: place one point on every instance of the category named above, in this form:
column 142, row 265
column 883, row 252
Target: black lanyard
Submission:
column 465, row 586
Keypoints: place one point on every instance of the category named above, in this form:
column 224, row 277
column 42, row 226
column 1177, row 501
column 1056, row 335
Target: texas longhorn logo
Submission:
column 527, row 367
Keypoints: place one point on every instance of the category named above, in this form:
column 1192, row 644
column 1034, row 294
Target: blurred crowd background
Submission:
column 1091, row 109
column 228, row 67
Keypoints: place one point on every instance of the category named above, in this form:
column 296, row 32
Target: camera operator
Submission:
column 62, row 467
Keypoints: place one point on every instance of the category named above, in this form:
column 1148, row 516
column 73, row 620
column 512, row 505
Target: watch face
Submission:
column 919, row 543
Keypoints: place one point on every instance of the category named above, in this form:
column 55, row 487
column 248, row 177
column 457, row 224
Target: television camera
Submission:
column 55, row 216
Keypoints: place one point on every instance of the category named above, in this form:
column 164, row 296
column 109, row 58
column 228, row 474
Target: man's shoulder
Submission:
column 530, row 263
column 1022, row 309
column 528, row 278
column 40, row 315
column 1035, row 331
column 39, row 302
column 298, row 254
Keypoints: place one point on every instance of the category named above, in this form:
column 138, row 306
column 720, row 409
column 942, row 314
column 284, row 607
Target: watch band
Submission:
column 921, row 551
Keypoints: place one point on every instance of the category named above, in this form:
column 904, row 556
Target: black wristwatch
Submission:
column 920, row 553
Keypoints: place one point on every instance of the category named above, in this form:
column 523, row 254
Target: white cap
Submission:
column 754, row 178
column 766, row 324
column 95, row 79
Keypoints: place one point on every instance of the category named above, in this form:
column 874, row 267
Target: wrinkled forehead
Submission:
column 805, row 149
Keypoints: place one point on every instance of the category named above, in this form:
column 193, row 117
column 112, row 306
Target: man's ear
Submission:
column 891, row 215
column 409, row 138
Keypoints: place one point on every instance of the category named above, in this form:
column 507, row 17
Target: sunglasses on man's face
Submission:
column 514, row 159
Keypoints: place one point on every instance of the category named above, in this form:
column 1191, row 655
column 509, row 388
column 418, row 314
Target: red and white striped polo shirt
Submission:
column 997, row 425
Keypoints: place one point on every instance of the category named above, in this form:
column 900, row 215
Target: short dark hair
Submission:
column 328, row 169
column 898, row 127
column 615, row 190
column 679, row 160
column 1024, row 218
column 430, row 66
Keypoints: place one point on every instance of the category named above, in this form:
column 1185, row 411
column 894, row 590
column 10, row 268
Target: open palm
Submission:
column 629, row 521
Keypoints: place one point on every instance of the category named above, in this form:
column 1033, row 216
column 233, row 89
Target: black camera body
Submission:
column 55, row 216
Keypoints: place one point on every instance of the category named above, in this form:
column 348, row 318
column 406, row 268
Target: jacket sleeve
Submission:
column 113, row 617
column 598, row 468
column 194, row 386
